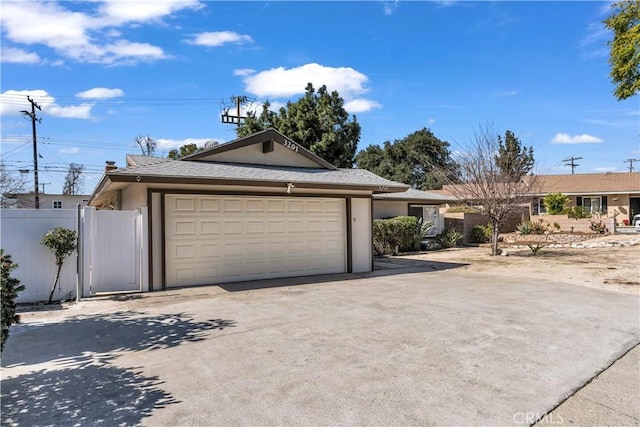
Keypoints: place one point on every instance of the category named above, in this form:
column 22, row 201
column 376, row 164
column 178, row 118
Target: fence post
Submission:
column 142, row 221
column 87, row 234
column 79, row 247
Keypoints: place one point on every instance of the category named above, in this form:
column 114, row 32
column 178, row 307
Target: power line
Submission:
column 34, row 119
column 630, row 161
column 571, row 162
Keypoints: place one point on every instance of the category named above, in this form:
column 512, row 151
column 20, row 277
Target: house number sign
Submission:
column 291, row 145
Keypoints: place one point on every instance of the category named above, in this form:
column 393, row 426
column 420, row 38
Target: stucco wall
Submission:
column 134, row 196
column 389, row 209
column 361, row 235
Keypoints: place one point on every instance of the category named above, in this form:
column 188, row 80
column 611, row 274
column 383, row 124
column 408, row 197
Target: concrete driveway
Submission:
column 420, row 345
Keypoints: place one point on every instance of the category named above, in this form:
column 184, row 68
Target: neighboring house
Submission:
column 255, row 208
column 421, row 204
column 47, row 201
column 602, row 192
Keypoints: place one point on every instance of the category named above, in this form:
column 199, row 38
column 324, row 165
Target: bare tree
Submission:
column 489, row 187
column 10, row 185
column 74, row 180
column 147, row 144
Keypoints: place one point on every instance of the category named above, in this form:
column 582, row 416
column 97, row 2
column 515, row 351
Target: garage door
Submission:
column 217, row 239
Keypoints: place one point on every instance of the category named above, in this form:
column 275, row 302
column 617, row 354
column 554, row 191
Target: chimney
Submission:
column 111, row 165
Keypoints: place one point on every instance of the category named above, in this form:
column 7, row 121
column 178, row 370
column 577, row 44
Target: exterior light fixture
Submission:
column 289, row 187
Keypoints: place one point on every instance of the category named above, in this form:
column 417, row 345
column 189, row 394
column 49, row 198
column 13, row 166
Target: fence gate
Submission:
column 114, row 250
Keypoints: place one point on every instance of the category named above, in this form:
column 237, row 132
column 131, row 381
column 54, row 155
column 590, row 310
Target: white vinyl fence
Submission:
column 20, row 233
column 111, row 255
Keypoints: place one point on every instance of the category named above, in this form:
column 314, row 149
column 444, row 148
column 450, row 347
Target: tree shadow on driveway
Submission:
column 79, row 385
column 104, row 334
column 89, row 394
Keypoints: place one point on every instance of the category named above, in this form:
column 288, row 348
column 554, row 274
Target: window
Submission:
column 428, row 214
column 57, row 204
column 593, row 204
column 538, row 207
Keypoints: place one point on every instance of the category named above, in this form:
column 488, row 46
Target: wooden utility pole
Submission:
column 32, row 115
column 630, row 161
column 238, row 119
column 571, row 162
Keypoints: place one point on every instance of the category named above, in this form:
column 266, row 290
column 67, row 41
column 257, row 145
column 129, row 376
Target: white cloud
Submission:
column 12, row 102
column 390, row 7
column 81, row 35
column 283, row 83
column 219, row 38
column 18, row 56
column 169, row 144
column 605, row 169
column 72, row 150
column 431, row 121
column 564, row 138
column 243, row 72
column 100, row 93
column 361, row 105
column 118, row 12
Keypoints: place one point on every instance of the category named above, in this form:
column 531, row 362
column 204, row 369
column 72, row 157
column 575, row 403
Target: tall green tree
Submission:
column 624, row 57
column 317, row 121
column 420, row 160
column 185, row 150
column 513, row 159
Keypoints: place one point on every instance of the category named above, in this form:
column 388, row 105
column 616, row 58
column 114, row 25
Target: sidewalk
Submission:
column 610, row 399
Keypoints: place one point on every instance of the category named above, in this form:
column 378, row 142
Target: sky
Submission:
column 106, row 71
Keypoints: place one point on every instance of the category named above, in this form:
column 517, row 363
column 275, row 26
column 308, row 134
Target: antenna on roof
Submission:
column 571, row 162
column 237, row 119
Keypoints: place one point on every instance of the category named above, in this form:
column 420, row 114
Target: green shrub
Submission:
column 555, row 203
column 525, row 227
column 598, row 227
column 577, row 212
column 9, row 288
column 401, row 232
column 539, row 227
column 448, row 238
column 481, row 233
column 62, row 242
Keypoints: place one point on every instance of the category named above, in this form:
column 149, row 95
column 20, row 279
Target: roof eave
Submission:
column 155, row 179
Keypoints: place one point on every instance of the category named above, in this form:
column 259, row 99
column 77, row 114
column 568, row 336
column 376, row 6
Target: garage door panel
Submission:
column 233, row 227
column 217, row 239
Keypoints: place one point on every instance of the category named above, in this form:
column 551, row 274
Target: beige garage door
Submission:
column 217, row 239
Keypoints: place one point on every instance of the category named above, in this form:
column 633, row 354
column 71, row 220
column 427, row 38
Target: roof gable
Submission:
column 268, row 147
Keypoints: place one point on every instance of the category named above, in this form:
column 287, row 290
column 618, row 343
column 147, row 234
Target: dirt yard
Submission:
column 614, row 268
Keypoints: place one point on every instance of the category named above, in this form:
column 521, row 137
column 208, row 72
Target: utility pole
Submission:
column 238, row 119
column 630, row 161
column 43, row 184
column 34, row 119
column 571, row 162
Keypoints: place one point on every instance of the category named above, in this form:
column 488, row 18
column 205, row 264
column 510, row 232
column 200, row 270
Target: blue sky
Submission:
column 107, row 71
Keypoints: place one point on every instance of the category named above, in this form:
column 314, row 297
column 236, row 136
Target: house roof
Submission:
column 591, row 183
column 297, row 155
column 164, row 170
column 579, row 184
column 413, row 195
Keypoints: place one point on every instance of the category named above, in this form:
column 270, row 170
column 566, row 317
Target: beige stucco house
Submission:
column 616, row 194
column 255, row 208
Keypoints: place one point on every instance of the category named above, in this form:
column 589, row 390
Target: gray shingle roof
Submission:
column 169, row 168
column 417, row 195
